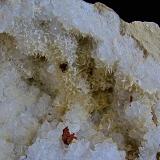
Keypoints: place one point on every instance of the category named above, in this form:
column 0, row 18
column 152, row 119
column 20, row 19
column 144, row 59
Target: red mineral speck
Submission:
column 67, row 137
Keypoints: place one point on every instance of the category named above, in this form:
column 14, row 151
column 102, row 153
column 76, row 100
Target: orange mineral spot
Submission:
column 67, row 137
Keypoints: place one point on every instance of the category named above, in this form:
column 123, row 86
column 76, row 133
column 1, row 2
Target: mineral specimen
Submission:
column 70, row 63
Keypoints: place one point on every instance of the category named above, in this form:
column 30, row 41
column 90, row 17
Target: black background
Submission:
column 132, row 10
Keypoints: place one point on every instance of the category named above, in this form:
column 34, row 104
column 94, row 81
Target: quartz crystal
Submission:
column 68, row 63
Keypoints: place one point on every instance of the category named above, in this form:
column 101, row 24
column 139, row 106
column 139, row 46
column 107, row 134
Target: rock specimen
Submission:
column 67, row 63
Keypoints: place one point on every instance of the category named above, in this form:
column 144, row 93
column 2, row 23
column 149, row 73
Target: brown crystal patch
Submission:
column 158, row 156
column 154, row 117
column 63, row 67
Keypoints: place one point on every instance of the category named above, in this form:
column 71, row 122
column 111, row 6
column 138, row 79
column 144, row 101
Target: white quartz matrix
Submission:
column 68, row 63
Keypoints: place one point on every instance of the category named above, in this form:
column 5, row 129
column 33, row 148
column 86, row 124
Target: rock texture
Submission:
column 77, row 65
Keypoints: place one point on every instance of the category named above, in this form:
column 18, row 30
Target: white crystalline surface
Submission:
column 67, row 63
